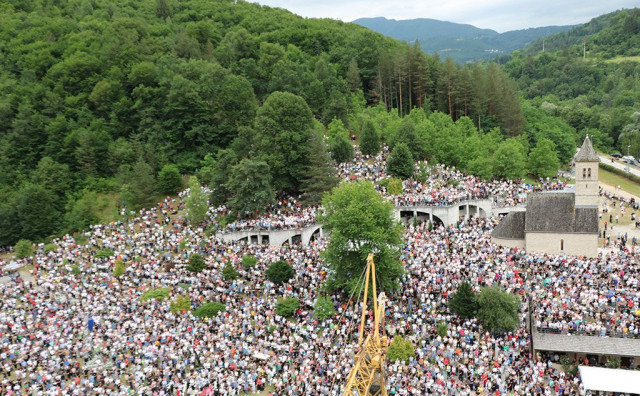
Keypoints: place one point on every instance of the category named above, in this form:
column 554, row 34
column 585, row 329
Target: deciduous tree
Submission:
column 361, row 222
column 250, row 187
column 497, row 309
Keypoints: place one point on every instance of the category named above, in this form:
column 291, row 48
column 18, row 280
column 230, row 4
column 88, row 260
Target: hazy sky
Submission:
column 499, row 15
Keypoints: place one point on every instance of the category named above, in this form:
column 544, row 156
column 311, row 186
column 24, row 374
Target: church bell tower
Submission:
column 586, row 166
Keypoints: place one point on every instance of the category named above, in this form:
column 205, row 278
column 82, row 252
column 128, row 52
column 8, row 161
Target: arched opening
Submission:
column 406, row 214
column 254, row 239
column 589, row 173
column 315, row 235
column 437, row 222
column 245, row 239
column 422, row 217
column 265, row 239
column 295, row 240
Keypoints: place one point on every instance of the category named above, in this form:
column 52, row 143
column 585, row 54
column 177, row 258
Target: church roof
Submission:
column 587, row 153
column 548, row 212
column 557, row 213
column 511, row 227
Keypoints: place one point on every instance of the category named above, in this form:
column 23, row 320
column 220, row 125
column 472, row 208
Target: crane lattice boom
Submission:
column 368, row 377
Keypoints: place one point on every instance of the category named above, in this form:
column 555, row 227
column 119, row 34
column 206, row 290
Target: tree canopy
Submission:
column 497, row 310
column 361, row 222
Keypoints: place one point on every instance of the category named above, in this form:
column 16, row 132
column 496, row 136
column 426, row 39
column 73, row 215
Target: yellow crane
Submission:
column 368, row 377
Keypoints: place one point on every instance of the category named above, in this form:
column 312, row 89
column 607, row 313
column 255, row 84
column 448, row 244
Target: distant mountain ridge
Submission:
column 463, row 42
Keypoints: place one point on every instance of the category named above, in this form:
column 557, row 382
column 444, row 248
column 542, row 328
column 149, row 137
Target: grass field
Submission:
column 619, row 59
column 615, row 180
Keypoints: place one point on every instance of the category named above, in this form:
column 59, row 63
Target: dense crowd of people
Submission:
column 438, row 186
column 72, row 328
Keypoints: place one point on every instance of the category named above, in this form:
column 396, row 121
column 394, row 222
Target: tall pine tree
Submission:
column 370, row 140
column 320, row 175
column 400, row 163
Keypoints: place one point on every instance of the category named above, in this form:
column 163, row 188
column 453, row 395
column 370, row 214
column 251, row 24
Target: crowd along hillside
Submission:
column 106, row 103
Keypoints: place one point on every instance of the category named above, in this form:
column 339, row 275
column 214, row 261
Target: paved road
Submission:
column 620, row 165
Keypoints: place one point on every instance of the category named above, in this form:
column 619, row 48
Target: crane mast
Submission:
column 368, row 377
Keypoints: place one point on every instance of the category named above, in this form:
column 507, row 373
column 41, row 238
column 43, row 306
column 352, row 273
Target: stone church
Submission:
column 558, row 222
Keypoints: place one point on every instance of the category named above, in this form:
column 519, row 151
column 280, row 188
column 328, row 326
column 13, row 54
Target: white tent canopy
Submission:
column 610, row 380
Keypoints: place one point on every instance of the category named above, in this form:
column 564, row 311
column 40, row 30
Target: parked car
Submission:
column 616, row 155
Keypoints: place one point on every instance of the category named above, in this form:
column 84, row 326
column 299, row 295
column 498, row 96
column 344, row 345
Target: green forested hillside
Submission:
column 108, row 101
column 606, row 36
column 598, row 91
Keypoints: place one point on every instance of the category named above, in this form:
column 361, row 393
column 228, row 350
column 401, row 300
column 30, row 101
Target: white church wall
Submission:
column 558, row 243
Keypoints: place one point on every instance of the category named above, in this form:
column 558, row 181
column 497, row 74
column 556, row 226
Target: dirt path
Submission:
column 617, row 191
column 624, row 225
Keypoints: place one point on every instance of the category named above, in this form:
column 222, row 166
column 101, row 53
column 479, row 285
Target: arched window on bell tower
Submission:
column 584, row 173
column 589, row 173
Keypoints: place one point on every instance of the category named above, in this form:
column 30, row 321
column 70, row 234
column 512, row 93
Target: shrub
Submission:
column 104, row 253
column 567, row 365
column 280, row 272
column 249, row 261
column 287, row 306
column 441, row 329
column 229, row 272
column 209, row 310
column 384, row 182
column 395, row 186
column 118, row 269
column 196, row 263
column 75, row 270
column 50, row 247
column 182, row 244
column 613, row 362
column 400, row 349
column 24, row 248
column 158, row 294
column 324, row 308
column 182, row 303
